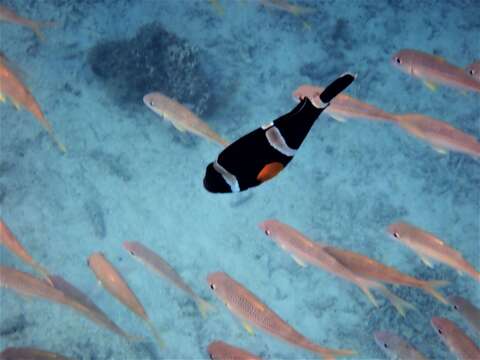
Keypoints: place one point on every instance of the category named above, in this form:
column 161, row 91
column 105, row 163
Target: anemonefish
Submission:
column 263, row 153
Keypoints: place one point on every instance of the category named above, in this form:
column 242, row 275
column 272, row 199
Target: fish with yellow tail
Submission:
column 12, row 87
column 116, row 285
column 253, row 312
column 219, row 350
column 474, row 70
column 455, row 339
column 370, row 269
column 395, row 347
column 61, row 292
column 429, row 247
column 433, row 70
column 153, row 261
column 9, row 16
column 9, row 240
column 343, row 106
column 16, row 353
column 305, row 251
column 468, row 311
column 182, row 118
column 439, row 134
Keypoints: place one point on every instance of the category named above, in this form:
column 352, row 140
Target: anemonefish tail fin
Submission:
column 430, row 286
column 204, row 307
column 156, row 334
column 336, row 87
column 401, row 305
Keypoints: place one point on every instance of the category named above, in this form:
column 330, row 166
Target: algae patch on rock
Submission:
column 153, row 60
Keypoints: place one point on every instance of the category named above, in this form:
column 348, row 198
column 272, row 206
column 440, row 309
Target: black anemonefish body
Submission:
column 263, row 153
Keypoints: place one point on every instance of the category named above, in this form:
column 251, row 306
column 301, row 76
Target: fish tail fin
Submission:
column 156, row 334
column 57, row 142
column 204, row 307
column 430, row 286
column 401, row 305
column 44, row 272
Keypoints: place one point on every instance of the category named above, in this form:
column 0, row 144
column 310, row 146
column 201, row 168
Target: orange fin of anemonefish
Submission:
column 269, row 171
column 430, row 86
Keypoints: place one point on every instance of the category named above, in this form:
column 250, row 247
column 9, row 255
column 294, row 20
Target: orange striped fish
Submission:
column 111, row 280
column 455, row 339
column 9, row 16
column 28, row 285
column 439, row 134
column 474, row 70
column 344, row 107
column 368, row 268
column 219, row 350
column 429, row 247
column 433, row 70
column 468, row 311
column 245, row 305
column 12, row 87
column 305, row 251
column 16, row 353
column 161, row 267
column 181, row 117
column 9, row 240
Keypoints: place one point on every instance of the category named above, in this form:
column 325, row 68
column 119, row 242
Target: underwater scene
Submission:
column 239, row 179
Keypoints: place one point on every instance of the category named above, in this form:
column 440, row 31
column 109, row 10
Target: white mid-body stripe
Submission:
column 229, row 178
column 276, row 140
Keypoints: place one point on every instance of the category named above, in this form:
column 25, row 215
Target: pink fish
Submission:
column 395, row 347
column 468, row 311
column 252, row 311
column 433, row 70
column 439, row 134
column 343, row 107
column 219, row 350
column 455, row 339
column 474, row 70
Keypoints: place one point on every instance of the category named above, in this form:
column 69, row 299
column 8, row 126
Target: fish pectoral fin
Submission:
column 427, row 261
column 17, row 105
column 431, row 86
column 337, row 118
column 2, row 98
column 440, row 150
column 178, row 126
column 298, row 261
column 248, row 328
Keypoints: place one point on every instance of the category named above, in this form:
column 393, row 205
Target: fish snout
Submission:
column 381, row 338
column 437, row 323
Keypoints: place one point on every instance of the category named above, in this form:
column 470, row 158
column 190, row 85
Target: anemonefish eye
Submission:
column 396, row 234
column 212, row 286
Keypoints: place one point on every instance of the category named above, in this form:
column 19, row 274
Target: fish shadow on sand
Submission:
column 96, row 216
column 14, row 325
column 113, row 164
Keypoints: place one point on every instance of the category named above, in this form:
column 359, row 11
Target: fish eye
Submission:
column 151, row 103
column 212, row 286
column 471, row 72
column 397, row 60
column 440, row 331
column 396, row 235
column 385, row 345
column 211, row 357
column 267, row 232
column 455, row 307
column 132, row 253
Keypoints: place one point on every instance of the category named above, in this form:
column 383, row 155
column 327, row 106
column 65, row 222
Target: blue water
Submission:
column 129, row 175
